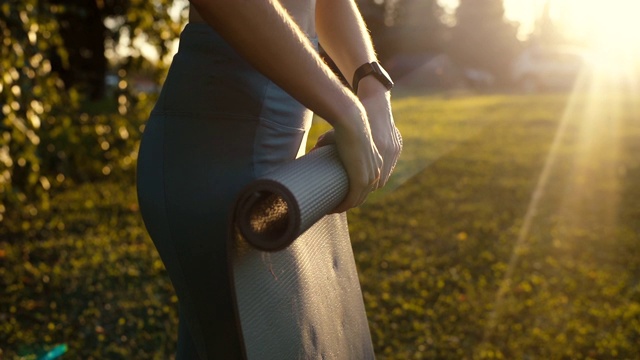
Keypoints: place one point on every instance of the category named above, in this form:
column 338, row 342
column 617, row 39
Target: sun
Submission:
column 607, row 26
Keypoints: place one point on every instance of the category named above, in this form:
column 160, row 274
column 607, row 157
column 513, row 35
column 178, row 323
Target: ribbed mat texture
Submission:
column 303, row 301
column 275, row 209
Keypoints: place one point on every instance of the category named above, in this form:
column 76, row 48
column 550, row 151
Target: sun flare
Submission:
column 607, row 26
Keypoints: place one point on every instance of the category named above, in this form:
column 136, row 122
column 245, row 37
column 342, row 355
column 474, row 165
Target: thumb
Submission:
column 327, row 138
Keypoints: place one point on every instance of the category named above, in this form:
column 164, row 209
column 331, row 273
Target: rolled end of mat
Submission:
column 272, row 211
column 267, row 215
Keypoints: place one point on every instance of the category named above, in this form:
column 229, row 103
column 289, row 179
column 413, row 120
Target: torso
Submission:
column 302, row 12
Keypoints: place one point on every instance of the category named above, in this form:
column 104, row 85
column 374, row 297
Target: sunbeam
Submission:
column 591, row 125
column 532, row 210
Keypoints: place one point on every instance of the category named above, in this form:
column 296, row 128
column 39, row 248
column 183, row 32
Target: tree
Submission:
column 52, row 56
column 404, row 26
column 547, row 32
column 373, row 13
column 419, row 26
column 482, row 39
column 85, row 35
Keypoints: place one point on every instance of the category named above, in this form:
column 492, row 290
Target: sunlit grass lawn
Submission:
column 446, row 268
column 458, row 259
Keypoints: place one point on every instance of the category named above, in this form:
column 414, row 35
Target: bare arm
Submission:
column 267, row 37
column 344, row 36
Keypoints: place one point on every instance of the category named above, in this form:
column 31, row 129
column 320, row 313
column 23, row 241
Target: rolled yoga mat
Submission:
column 274, row 210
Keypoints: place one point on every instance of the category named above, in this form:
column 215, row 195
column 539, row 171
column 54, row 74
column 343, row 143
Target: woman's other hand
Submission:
column 362, row 148
column 359, row 156
column 376, row 99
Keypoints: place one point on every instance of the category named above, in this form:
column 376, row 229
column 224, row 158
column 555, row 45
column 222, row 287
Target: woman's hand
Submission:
column 374, row 143
column 377, row 101
column 359, row 156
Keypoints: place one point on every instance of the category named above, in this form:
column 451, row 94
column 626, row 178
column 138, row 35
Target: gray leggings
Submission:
column 217, row 125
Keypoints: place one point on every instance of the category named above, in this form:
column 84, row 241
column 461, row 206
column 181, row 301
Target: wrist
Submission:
column 353, row 120
column 371, row 87
column 371, row 69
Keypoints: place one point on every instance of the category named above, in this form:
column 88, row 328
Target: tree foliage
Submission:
column 482, row 38
column 418, row 25
column 405, row 26
column 53, row 62
column 547, row 32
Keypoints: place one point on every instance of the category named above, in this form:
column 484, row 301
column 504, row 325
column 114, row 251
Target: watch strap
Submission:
column 372, row 68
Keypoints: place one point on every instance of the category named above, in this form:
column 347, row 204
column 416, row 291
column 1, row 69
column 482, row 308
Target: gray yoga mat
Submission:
column 274, row 210
column 303, row 301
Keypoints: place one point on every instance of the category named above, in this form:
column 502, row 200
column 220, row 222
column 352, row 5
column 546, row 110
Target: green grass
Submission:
column 446, row 270
column 87, row 276
column 444, row 273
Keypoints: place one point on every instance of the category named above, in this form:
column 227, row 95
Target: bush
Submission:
column 51, row 134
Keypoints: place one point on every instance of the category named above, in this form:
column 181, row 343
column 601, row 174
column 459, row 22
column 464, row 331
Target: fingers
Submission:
column 357, row 195
column 325, row 139
column 391, row 152
column 385, row 134
column 364, row 181
column 364, row 169
column 369, row 151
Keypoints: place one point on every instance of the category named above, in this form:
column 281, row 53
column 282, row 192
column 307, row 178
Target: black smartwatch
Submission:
column 374, row 69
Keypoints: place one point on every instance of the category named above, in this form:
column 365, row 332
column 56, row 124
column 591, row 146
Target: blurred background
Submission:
column 510, row 229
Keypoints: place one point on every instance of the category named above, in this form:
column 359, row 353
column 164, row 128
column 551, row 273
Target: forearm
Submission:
column 264, row 34
column 343, row 35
